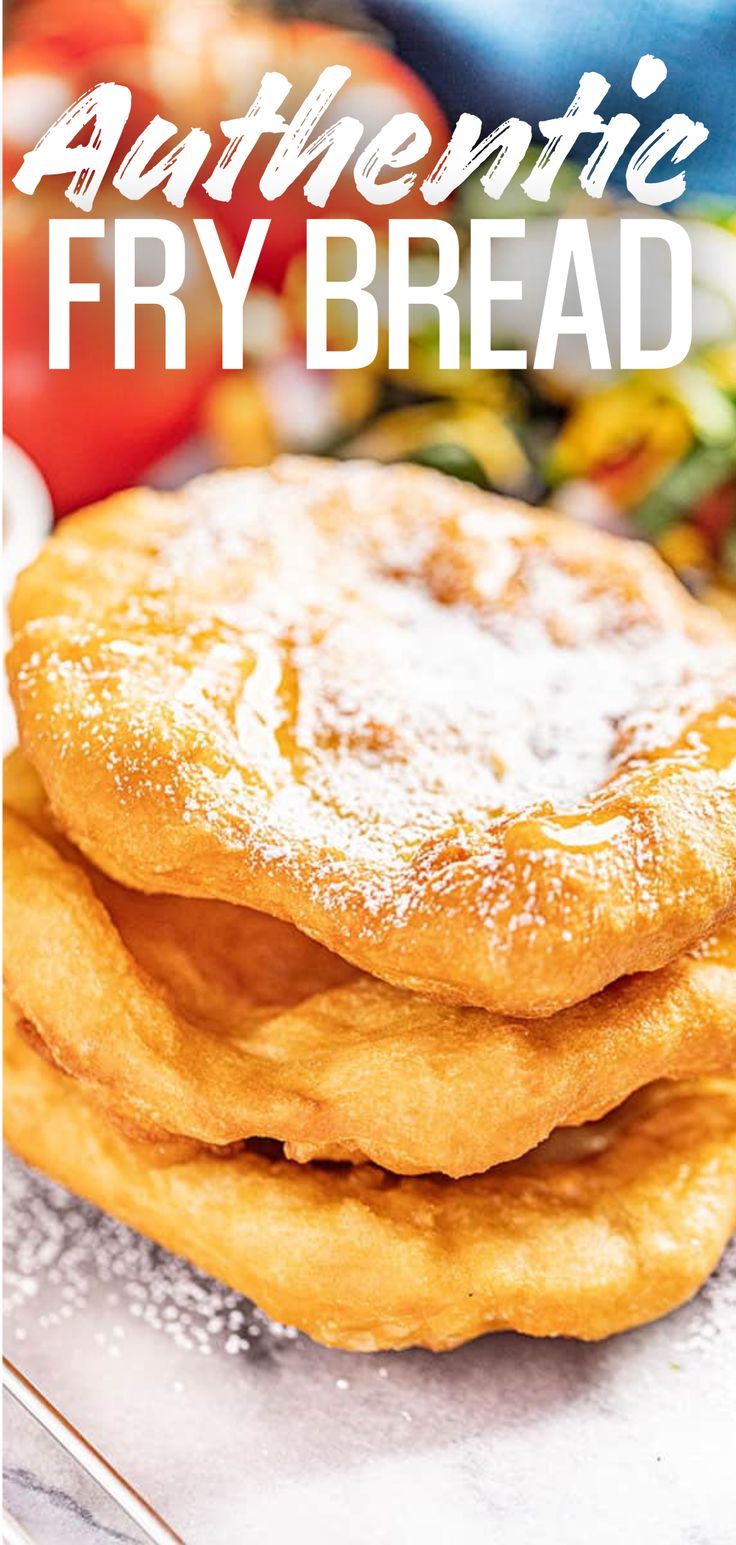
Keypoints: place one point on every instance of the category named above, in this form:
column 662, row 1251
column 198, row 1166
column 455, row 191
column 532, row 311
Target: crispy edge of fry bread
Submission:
column 146, row 1001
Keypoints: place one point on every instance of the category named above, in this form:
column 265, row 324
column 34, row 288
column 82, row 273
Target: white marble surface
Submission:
column 240, row 1431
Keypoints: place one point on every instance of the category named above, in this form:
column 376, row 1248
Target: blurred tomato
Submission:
column 37, row 89
column 201, row 64
column 74, row 29
column 91, row 429
column 206, row 65
column 40, row 84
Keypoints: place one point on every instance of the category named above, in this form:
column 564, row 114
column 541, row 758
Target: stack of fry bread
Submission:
column 370, row 901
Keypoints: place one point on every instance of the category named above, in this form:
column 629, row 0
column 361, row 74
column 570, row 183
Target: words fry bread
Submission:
column 318, row 145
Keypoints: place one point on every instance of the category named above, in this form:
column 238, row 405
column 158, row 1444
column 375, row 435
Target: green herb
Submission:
column 452, row 459
column 706, row 467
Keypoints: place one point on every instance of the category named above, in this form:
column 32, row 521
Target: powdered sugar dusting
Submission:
column 53, row 1238
column 377, row 661
column 713, row 1313
column 346, row 681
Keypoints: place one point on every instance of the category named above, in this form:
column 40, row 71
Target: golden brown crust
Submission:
column 483, row 753
column 580, row 1247
column 215, row 1023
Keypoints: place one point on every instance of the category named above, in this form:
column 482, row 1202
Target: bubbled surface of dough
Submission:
column 475, row 749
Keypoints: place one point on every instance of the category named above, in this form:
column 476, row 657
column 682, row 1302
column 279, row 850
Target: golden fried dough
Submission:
column 479, row 751
column 216, row 1023
column 582, row 1246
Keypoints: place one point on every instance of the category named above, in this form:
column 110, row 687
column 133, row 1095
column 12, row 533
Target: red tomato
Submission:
column 37, row 90
column 73, row 29
column 203, row 64
column 39, row 86
column 92, row 429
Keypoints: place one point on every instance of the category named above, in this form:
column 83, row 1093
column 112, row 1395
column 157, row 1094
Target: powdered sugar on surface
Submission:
column 278, row 1438
column 54, row 1239
column 51, row 1238
column 371, row 658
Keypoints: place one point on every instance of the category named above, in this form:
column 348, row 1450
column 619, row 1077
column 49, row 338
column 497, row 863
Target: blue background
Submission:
column 502, row 60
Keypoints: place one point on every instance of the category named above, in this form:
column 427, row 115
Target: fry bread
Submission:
column 213, row 1023
column 577, row 1246
column 481, row 752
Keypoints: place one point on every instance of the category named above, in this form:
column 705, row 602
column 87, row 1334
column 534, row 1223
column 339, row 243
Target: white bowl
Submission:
column 27, row 520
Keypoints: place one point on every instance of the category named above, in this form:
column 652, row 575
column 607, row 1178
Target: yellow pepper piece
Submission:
column 720, row 361
column 356, row 395
column 684, row 547
column 237, row 420
column 633, row 429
